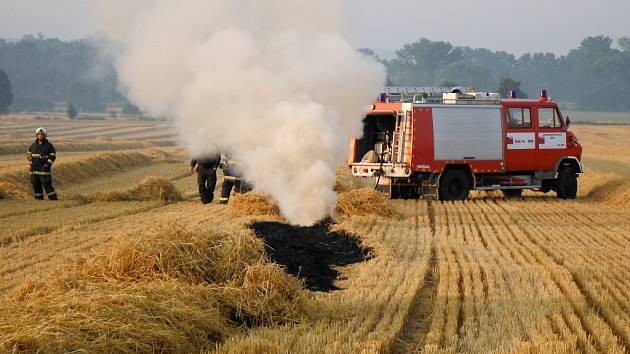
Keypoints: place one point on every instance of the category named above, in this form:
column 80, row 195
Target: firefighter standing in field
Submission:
column 206, row 168
column 232, row 179
column 42, row 155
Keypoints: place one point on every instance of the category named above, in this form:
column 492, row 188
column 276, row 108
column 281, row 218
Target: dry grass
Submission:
column 363, row 202
column 21, row 146
column 150, row 189
column 487, row 275
column 615, row 192
column 10, row 191
column 29, row 220
column 252, row 204
column 80, row 168
column 170, row 290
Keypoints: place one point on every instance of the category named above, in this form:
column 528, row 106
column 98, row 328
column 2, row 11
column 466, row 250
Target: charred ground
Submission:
column 311, row 253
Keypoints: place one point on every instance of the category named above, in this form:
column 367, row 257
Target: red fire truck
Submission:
column 445, row 142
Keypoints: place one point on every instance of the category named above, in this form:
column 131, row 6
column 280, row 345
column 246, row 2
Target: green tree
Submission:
column 71, row 111
column 44, row 71
column 6, row 93
column 369, row 52
column 624, row 43
column 506, row 85
column 466, row 74
column 417, row 64
column 600, row 76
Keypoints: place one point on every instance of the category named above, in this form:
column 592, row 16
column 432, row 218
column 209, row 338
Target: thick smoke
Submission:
column 274, row 82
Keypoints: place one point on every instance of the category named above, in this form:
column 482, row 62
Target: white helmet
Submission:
column 41, row 130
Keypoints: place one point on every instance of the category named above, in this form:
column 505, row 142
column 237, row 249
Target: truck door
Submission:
column 551, row 138
column 520, row 140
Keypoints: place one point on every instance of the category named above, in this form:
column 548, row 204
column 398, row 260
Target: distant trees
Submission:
column 419, row 63
column 594, row 76
column 6, row 93
column 506, row 85
column 45, row 71
column 71, row 111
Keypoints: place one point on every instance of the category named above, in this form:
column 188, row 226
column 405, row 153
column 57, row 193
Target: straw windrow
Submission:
column 170, row 290
column 150, row 189
column 252, row 204
column 362, row 202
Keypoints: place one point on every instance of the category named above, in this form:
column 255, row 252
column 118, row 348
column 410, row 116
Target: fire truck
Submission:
column 445, row 142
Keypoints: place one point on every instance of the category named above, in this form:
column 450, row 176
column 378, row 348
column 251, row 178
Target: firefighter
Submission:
column 42, row 155
column 206, row 168
column 232, row 179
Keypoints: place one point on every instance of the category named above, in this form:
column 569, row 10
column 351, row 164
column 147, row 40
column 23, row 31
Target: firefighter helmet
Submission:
column 41, row 130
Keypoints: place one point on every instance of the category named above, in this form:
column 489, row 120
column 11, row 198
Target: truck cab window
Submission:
column 519, row 118
column 548, row 118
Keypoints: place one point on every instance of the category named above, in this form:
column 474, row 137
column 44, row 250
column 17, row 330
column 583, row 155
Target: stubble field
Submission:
column 129, row 264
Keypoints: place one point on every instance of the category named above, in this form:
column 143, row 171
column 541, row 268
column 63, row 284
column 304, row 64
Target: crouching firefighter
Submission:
column 232, row 179
column 206, row 168
column 42, row 155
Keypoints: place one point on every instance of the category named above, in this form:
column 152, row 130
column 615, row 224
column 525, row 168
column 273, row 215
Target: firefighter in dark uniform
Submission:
column 42, row 155
column 206, row 168
column 232, row 179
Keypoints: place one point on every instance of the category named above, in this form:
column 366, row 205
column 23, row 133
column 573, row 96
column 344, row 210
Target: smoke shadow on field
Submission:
column 311, row 253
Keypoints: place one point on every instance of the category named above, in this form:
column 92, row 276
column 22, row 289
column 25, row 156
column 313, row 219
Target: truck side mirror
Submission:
column 568, row 121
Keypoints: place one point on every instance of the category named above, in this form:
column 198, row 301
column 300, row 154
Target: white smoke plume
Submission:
column 272, row 81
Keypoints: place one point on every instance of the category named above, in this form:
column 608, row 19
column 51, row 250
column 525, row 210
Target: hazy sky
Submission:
column 514, row 26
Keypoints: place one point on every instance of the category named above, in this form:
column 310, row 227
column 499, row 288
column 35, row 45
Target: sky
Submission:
column 514, row 26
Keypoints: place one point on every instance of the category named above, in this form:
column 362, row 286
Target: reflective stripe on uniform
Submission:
column 231, row 178
column 38, row 173
column 50, row 161
column 51, row 194
column 224, row 199
column 52, row 154
column 35, row 155
column 39, row 194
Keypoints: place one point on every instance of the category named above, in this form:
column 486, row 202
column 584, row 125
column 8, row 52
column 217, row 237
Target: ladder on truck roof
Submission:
column 439, row 95
column 413, row 94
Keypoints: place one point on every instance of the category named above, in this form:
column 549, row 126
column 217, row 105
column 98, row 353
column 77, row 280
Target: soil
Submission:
column 311, row 253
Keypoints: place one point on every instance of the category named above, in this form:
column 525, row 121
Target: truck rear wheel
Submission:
column 455, row 185
column 566, row 185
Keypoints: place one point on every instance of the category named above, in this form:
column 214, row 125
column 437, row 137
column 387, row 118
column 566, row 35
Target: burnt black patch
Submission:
column 310, row 253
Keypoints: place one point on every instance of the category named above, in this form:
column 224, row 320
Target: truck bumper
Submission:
column 384, row 170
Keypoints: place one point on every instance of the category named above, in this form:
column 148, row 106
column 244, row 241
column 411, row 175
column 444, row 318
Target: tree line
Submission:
column 39, row 72
column 593, row 77
column 47, row 73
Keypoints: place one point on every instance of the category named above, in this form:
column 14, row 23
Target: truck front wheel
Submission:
column 455, row 185
column 567, row 185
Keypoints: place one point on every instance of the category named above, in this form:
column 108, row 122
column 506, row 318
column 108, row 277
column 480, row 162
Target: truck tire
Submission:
column 567, row 185
column 512, row 193
column 455, row 185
